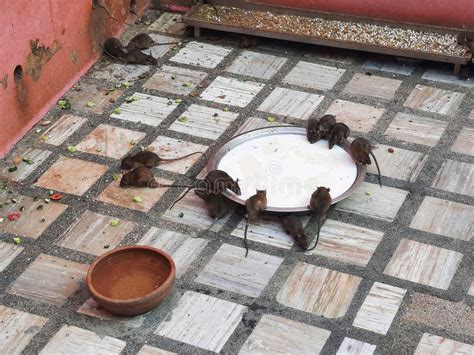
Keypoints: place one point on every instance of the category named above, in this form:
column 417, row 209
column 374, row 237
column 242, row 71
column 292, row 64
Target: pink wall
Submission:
column 54, row 42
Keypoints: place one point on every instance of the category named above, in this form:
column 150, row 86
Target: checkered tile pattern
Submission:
column 378, row 249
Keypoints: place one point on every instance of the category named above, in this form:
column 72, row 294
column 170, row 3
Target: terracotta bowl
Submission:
column 131, row 280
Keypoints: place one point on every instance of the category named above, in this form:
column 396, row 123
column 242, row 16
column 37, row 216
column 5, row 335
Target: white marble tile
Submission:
column 180, row 81
column 379, row 308
column 278, row 335
column 317, row 290
column 201, row 54
column 229, row 91
column 230, row 270
column 93, row 309
column 171, row 148
column 373, row 201
column 8, row 252
column 314, row 76
column 446, row 75
column 24, row 169
column 436, row 345
column 17, row 328
column 291, row 103
column 62, row 129
column 390, row 66
column 424, row 264
column 359, row 117
column 401, row 164
column 347, row 243
column 464, row 142
column 372, row 86
column 455, row 176
column 93, row 233
column 73, row 340
column 161, row 49
column 451, row 219
column 435, row 100
column 416, row 129
column 110, row 141
column 182, row 248
column 50, row 280
column 204, row 122
column 150, row 350
column 203, row 321
column 257, row 65
column 351, row 346
column 114, row 72
column 470, row 292
column 267, row 232
column 168, row 22
column 252, row 123
column 33, row 219
column 148, row 109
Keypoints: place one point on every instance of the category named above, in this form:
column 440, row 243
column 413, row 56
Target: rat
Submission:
column 255, row 205
column 466, row 39
column 144, row 41
column 139, row 177
column 312, row 130
column 320, row 203
column 141, row 41
column 136, row 56
column 148, row 159
column 325, row 124
column 216, row 204
column 114, row 48
column 338, row 134
column 293, row 226
column 360, row 149
column 216, row 182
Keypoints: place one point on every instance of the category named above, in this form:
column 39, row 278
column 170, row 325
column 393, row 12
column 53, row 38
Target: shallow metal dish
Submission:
column 242, row 154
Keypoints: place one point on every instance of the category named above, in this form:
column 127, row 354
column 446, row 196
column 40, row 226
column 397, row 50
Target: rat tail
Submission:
column 245, row 238
column 378, row 168
column 185, row 156
column 317, row 235
column 180, row 197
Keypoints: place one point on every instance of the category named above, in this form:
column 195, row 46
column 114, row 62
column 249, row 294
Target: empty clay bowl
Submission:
column 131, row 280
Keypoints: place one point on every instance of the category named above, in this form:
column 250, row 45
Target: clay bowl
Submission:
column 131, row 280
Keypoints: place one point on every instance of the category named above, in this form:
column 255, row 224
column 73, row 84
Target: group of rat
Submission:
column 132, row 52
column 216, row 182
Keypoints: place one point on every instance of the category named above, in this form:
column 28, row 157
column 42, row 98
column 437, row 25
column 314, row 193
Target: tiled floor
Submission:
column 392, row 273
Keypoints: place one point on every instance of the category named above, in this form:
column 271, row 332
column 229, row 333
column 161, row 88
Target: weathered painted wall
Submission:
column 45, row 47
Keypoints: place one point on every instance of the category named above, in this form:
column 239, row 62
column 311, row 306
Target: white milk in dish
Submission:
column 289, row 168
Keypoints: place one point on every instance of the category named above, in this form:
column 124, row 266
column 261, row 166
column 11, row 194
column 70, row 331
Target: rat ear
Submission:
column 329, row 189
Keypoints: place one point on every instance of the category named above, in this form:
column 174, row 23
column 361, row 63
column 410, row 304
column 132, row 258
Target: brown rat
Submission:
column 320, row 203
column 293, row 226
column 325, row 124
column 216, row 204
column 136, row 56
column 141, row 41
column 255, row 205
column 139, row 177
column 466, row 39
column 114, row 48
column 338, row 134
column 360, row 149
column 148, row 159
column 312, row 130
column 216, row 181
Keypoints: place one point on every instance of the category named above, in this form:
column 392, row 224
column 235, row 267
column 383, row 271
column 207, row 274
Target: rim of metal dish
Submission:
column 269, row 131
